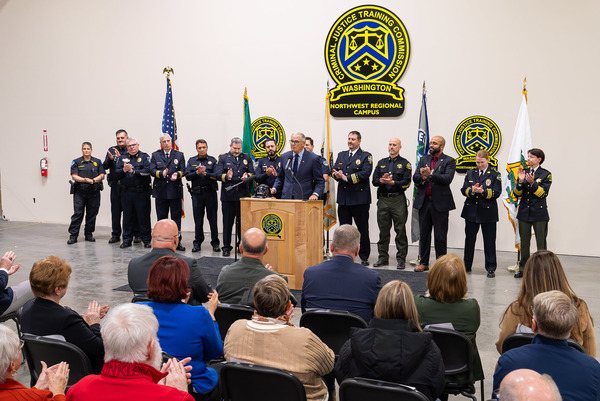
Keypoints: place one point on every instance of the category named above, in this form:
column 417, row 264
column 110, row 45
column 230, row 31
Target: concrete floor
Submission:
column 100, row 267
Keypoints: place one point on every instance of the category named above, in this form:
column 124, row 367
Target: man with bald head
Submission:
column 528, row 385
column 236, row 281
column 433, row 199
column 392, row 177
column 165, row 238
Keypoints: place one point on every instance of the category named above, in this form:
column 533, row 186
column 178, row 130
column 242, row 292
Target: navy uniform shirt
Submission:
column 358, row 168
column 163, row 187
column 400, row 170
column 242, row 165
column 141, row 170
column 87, row 169
column 261, row 170
column 206, row 182
column 111, row 164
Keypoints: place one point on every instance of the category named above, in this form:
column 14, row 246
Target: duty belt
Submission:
column 389, row 194
column 200, row 189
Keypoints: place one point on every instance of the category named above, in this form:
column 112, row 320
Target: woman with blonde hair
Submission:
column 51, row 384
column 544, row 272
column 394, row 348
column 447, row 302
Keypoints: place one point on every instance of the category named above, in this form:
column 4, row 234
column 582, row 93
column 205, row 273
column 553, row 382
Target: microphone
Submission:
column 287, row 165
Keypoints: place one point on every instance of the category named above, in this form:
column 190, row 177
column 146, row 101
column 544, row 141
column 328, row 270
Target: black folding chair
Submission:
column 359, row 389
column 331, row 326
column 16, row 318
column 517, row 340
column 226, row 314
column 457, row 353
column 53, row 351
column 247, row 382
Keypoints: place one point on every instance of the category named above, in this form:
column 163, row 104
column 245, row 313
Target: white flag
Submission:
column 517, row 157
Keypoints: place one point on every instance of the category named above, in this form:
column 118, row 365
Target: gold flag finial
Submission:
column 525, row 88
column 168, row 70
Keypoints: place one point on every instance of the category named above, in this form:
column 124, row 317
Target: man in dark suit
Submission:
column 164, row 242
column 167, row 166
column 200, row 171
column 352, row 170
column 532, row 188
column 269, row 167
column 302, row 175
column 235, row 169
column 339, row 283
column 482, row 186
column 433, row 199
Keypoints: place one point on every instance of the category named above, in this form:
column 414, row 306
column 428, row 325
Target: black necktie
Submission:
column 351, row 155
column 295, row 165
column 167, row 155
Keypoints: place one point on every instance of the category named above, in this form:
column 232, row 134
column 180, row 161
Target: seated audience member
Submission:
column 339, row 283
column 447, row 303
column 527, row 385
column 576, row 374
column 50, row 385
column 393, row 348
column 236, row 281
column 270, row 339
column 544, row 272
column 44, row 316
column 132, row 361
column 12, row 298
column 185, row 330
column 165, row 237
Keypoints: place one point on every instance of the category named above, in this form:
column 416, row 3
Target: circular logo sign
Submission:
column 272, row 225
column 264, row 128
column 366, row 52
column 472, row 135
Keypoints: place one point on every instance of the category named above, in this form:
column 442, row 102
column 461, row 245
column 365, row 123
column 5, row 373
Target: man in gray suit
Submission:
column 165, row 238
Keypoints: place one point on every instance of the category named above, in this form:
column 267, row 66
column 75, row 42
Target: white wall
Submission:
column 82, row 69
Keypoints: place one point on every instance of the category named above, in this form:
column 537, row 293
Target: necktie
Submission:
column 351, row 155
column 295, row 165
column 167, row 155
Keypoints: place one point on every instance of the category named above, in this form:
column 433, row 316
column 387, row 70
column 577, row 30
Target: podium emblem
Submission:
column 272, row 225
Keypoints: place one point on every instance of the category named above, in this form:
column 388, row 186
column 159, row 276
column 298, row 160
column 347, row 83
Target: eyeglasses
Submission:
column 293, row 142
column 131, row 145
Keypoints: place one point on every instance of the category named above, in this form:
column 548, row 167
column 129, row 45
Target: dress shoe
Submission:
column 136, row 240
column 226, row 253
column 519, row 274
column 113, row 240
column 422, row 268
column 380, row 263
column 180, row 248
column 491, row 274
column 147, row 245
column 125, row 245
column 90, row 238
column 71, row 241
column 364, row 262
column 400, row 265
column 196, row 248
column 216, row 249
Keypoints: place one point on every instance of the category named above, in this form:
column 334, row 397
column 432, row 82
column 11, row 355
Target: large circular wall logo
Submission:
column 366, row 52
column 264, row 128
column 472, row 135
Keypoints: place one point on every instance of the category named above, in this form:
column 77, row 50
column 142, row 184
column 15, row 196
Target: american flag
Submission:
column 169, row 126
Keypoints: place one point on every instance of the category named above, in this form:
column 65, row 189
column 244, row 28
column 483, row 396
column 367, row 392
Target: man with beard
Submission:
column 433, row 199
column 269, row 167
column 133, row 358
column 233, row 168
column 201, row 171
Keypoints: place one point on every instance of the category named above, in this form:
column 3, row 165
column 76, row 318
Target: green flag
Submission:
column 247, row 142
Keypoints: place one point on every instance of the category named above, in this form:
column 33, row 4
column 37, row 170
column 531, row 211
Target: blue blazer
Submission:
column 309, row 178
column 341, row 284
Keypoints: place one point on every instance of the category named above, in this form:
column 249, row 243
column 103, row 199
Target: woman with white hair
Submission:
column 51, row 384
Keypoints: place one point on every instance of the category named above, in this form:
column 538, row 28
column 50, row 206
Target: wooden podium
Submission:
column 294, row 231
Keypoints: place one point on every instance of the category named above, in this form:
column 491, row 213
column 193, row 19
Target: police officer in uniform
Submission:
column 110, row 161
column 532, row 188
column 201, row 171
column 269, row 167
column 392, row 176
column 233, row 167
column 482, row 186
column 133, row 172
column 167, row 166
column 88, row 173
column 352, row 169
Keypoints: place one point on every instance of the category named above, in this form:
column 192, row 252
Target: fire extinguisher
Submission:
column 44, row 167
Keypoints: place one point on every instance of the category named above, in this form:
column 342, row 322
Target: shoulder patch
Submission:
column 73, row 163
column 408, row 166
column 370, row 159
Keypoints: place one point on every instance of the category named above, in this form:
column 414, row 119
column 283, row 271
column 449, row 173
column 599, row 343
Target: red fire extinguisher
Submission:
column 44, row 167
